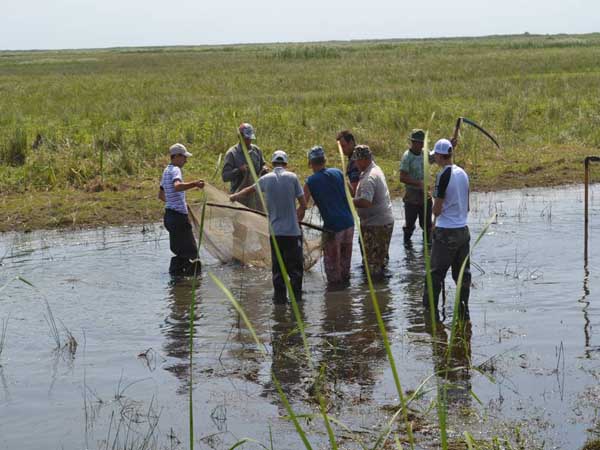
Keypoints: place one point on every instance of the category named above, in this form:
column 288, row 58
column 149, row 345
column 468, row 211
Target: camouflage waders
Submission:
column 377, row 239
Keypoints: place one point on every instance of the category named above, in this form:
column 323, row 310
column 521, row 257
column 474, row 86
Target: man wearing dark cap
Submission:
column 451, row 238
column 326, row 186
column 374, row 207
column 282, row 189
column 235, row 167
column 346, row 141
column 411, row 174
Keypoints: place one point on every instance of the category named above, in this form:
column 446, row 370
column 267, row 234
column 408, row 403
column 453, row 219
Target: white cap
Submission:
column 279, row 157
column 443, row 147
column 179, row 149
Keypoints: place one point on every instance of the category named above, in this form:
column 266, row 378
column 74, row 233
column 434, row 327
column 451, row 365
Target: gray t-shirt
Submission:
column 373, row 187
column 281, row 189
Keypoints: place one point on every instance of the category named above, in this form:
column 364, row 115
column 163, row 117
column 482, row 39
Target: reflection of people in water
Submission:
column 289, row 363
column 177, row 327
column 453, row 367
column 352, row 344
column 452, row 360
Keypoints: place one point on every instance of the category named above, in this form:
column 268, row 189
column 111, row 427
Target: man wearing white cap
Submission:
column 281, row 189
column 235, row 167
column 451, row 238
column 176, row 220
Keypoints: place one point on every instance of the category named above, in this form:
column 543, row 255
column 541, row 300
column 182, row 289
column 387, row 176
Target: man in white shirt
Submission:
column 451, row 238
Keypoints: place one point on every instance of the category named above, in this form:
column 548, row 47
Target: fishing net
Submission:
column 234, row 232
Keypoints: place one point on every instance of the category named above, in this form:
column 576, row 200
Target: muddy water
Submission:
column 532, row 344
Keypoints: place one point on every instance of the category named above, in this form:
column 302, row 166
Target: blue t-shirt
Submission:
column 281, row 189
column 327, row 188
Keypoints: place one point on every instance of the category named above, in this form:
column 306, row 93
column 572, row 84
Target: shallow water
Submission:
column 533, row 313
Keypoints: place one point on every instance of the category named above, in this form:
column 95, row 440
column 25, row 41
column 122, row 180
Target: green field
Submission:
column 83, row 131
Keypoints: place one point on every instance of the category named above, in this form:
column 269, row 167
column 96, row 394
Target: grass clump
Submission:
column 304, row 52
column 15, row 152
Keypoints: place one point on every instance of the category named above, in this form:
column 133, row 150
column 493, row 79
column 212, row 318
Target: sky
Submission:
column 57, row 24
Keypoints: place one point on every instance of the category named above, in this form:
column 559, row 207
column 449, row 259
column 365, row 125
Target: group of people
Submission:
column 364, row 184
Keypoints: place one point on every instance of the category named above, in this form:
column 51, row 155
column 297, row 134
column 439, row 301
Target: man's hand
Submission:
column 244, row 168
column 233, row 197
column 200, row 184
column 300, row 213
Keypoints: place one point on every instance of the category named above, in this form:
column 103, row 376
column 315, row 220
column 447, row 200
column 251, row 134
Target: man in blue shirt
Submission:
column 326, row 186
column 281, row 189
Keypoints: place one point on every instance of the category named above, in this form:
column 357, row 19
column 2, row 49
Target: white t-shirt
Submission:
column 452, row 184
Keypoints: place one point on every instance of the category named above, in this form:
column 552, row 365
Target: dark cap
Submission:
column 417, row 135
column 362, row 152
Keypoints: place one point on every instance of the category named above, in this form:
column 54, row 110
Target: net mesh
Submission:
column 234, row 232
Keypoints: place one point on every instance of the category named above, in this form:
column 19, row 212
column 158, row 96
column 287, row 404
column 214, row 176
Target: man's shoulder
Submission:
column 334, row 171
column 406, row 155
column 232, row 149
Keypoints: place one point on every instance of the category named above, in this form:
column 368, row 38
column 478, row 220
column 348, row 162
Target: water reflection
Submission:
column 452, row 359
column 289, row 362
column 177, row 326
column 351, row 348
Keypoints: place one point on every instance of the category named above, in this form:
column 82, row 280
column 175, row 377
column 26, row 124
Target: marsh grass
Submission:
column 530, row 91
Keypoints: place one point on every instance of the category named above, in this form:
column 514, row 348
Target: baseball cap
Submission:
column 179, row 149
column 362, row 152
column 279, row 156
column 247, row 131
column 442, row 147
column 316, row 152
column 417, row 135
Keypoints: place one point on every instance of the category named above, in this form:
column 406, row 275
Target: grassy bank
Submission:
column 83, row 134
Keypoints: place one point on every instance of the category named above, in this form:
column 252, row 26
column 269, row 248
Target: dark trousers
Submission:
column 181, row 241
column 293, row 258
column 449, row 249
column 412, row 212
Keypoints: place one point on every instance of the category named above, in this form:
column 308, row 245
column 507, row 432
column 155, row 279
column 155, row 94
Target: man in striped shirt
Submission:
column 176, row 220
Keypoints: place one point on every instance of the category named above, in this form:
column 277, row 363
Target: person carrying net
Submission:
column 235, row 167
column 281, row 189
column 326, row 187
column 176, row 219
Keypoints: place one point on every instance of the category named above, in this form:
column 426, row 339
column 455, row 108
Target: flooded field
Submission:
column 531, row 355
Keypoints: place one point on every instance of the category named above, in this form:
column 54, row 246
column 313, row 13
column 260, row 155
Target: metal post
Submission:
column 587, row 161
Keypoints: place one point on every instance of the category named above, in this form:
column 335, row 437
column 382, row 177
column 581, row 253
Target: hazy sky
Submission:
column 50, row 24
